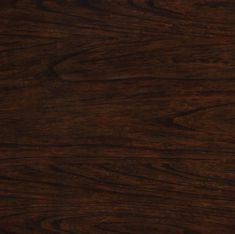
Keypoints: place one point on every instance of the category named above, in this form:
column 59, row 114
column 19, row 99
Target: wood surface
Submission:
column 117, row 116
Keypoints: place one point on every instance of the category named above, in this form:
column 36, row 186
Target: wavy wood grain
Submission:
column 117, row 116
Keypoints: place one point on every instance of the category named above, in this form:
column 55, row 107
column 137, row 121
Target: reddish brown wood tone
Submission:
column 117, row 116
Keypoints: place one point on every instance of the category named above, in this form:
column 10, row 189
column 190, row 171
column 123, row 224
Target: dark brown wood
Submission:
column 117, row 116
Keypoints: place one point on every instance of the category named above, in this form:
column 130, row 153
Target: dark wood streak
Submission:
column 117, row 116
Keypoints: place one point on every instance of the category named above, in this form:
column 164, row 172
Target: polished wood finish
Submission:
column 117, row 116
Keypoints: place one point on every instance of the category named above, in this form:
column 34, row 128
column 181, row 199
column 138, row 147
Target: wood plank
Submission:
column 117, row 116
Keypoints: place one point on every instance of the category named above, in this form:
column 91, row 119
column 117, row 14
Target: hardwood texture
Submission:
column 117, row 116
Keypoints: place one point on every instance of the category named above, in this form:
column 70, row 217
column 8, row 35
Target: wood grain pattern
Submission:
column 117, row 116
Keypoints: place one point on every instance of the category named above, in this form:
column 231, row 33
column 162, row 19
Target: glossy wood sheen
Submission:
column 117, row 116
